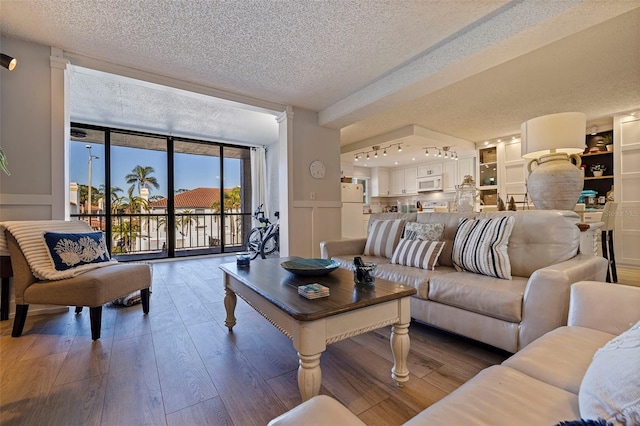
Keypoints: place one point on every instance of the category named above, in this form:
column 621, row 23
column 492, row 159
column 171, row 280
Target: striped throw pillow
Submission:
column 417, row 253
column 383, row 237
column 480, row 246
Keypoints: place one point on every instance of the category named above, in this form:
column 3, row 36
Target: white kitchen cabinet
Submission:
column 429, row 170
column 449, row 175
column 397, row 182
column 403, row 181
column 410, row 180
column 346, row 170
column 466, row 166
column 379, row 182
column 365, row 225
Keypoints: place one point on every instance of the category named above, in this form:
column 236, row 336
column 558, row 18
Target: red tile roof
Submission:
column 200, row 198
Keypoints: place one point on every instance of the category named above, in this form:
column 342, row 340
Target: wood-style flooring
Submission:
column 180, row 365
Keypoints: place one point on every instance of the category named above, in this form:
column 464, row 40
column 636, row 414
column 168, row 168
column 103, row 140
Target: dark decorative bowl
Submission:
column 310, row 267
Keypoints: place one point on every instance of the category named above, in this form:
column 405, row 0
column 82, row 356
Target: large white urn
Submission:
column 554, row 182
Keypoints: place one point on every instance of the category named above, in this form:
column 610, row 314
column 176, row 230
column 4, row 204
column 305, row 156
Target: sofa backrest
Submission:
column 409, row 217
column 451, row 221
column 540, row 238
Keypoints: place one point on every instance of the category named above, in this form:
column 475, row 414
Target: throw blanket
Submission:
column 30, row 237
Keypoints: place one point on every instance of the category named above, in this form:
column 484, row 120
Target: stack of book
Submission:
column 313, row 291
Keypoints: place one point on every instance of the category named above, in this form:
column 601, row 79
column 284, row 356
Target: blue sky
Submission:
column 191, row 171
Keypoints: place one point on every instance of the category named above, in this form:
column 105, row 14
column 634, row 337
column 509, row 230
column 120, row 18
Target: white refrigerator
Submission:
column 352, row 215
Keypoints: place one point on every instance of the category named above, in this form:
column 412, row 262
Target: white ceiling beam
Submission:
column 517, row 28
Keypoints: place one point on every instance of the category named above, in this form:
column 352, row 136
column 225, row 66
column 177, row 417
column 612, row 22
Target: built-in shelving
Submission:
column 600, row 184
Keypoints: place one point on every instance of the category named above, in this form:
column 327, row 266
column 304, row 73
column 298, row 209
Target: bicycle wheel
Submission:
column 254, row 242
column 270, row 246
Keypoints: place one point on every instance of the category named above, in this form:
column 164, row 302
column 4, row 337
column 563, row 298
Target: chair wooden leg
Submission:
column 19, row 320
column 612, row 259
column 605, row 254
column 144, row 296
column 78, row 309
column 95, row 314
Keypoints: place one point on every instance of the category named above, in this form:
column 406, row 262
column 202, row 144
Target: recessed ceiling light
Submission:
column 486, row 142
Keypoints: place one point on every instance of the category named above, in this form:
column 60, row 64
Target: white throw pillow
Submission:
column 610, row 388
column 417, row 253
column 480, row 246
column 383, row 237
column 424, row 231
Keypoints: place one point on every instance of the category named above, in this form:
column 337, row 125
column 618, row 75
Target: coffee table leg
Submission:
column 309, row 375
column 230, row 300
column 400, row 349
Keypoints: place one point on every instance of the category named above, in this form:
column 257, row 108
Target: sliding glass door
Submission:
column 168, row 196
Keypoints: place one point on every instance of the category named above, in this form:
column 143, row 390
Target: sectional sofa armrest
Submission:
column 321, row 410
column 546, row 296
column 612, row 308
column 329, row 249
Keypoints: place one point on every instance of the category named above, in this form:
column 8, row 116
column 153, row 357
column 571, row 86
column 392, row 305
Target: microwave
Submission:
column 430, row 183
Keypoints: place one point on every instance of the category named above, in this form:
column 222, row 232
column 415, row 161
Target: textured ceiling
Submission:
column 471, row 70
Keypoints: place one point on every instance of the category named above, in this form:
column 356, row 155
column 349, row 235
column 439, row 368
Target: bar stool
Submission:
column 609, row 220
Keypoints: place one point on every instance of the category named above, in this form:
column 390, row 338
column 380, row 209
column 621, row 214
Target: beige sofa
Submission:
column 508, row 314
column 540, row 385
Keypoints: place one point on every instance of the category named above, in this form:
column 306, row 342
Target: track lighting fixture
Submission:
column 374, row 149
column 8, row 62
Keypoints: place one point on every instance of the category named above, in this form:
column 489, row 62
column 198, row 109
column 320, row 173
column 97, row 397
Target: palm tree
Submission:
column 183, row 220
column 141, row 177
column 232, row 201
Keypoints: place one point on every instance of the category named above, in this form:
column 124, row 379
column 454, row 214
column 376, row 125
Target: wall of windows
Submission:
column 167, row 197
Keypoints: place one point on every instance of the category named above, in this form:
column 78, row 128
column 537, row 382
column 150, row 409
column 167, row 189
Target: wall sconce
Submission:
column 8, row 62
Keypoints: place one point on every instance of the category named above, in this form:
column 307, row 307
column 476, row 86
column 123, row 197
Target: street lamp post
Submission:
column 91, row 157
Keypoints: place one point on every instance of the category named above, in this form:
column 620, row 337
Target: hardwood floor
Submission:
column 180, row 366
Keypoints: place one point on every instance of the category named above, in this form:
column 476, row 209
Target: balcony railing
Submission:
column 137, row 234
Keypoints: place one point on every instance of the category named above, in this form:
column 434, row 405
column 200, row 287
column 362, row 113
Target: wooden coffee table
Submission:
column 313, row 324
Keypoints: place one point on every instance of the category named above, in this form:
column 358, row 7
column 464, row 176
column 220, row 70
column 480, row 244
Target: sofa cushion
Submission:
column 540, row 238
column 500, row 395
column 560, row 357
column 493, row 297
column 383, row 237
column 480, row 246
column 417, row 253
column 68, row 249
column 610, row 388
column 451, row 221
column 424, row 231
column 414, row 277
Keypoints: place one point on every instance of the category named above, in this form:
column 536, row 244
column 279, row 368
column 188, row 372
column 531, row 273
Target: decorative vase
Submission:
column 555, row 183
column 597, row 173
column 466, row 194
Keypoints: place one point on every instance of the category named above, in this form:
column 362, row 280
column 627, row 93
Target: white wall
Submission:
column 26, row 133
column 312, row 221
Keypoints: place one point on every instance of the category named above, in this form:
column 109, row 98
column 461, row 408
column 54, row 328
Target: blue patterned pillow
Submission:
column 70, row 250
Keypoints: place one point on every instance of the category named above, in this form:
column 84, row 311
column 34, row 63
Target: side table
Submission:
column 589, row 237
column 5, row 272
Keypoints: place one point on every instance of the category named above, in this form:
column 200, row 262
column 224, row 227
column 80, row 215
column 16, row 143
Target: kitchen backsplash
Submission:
column 382, row 204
